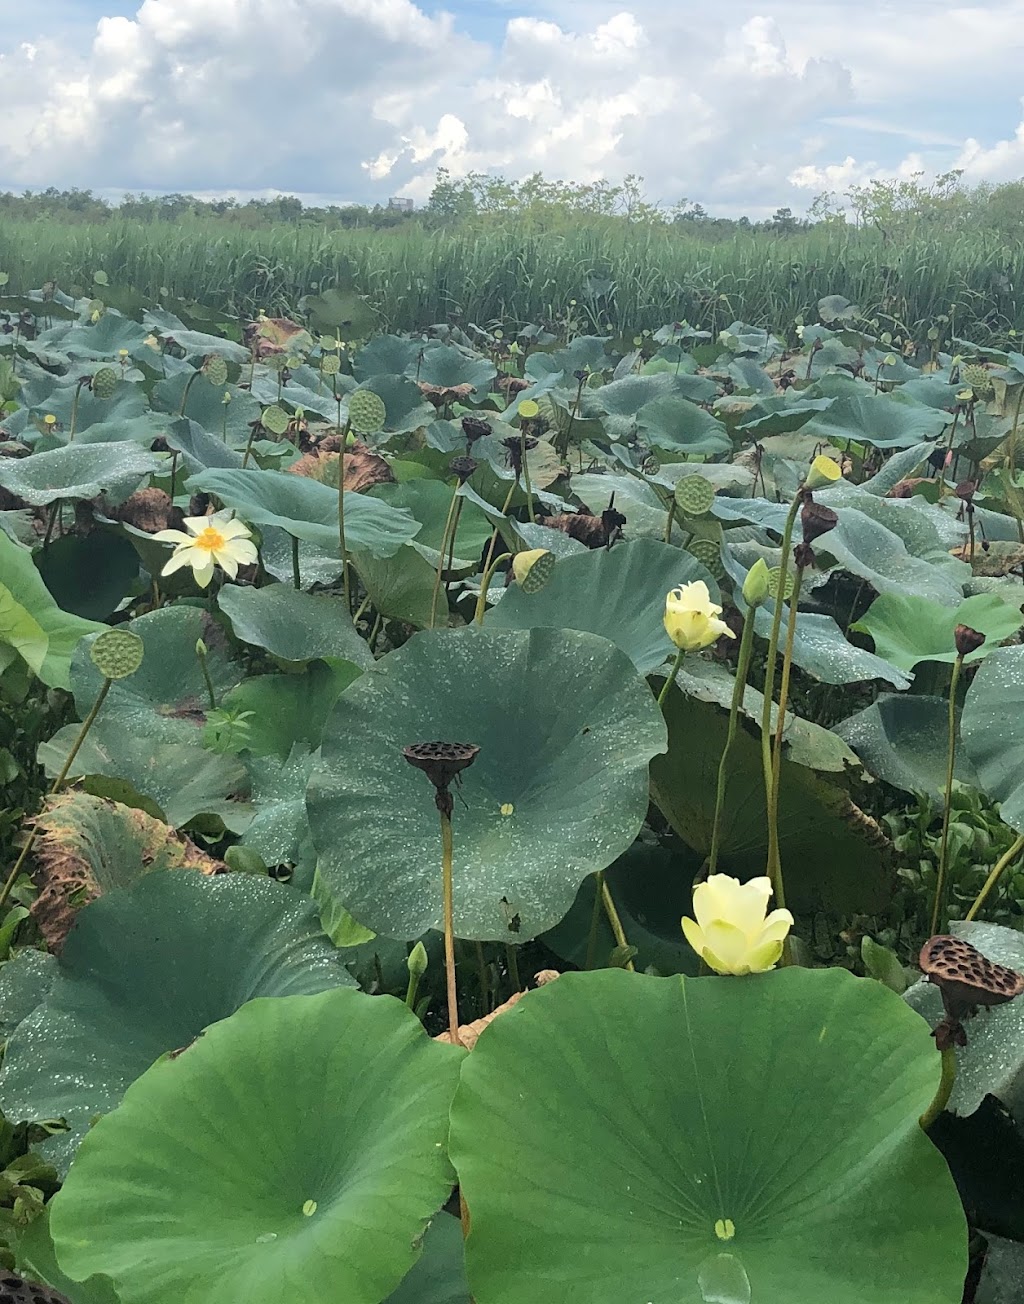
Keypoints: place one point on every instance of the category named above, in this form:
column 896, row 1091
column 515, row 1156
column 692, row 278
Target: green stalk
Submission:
column 667, row 685
column 76, row 747
column 74, row 408
column 448, row 527
column 939, row 921
column 997, row 872
column 526, row 474
column 485, row 584
column 945, row 1089
column 774, row 860
column 615, row 923
column 296, row 578
column 738, row 688
column 449, row 928
column 184, row 398
column 345, row 581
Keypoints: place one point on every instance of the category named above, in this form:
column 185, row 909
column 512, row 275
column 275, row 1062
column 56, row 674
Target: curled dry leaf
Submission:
column 363, row 467
column 584, row 528
column 86, row 845
column 469, row 1033
column 442, row 395
column 272, row 335
column 149, row 510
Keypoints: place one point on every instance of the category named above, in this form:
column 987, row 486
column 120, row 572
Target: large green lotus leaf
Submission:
column 293, row 625
column 400, row 588
column 566, row 730
column 927, row 530
column 814, row 815
column 290, row 709
column 206, row 406
column 143, row 972
column 89, row 574
column 24, row 980
column 78, row 471
column 992, row 727
column 387, row 355
column 173, row 780
column 104, row 339
column 606, row 1126
column 879, row 420
column 618, row 593
column 320, row 1123
column 198, row 448
column 621, row 401
column 279, row 831
column 678, row 426
column 907, row 629
column 904, row 740
column 780, row 415
column 862, row 546
column 740, row 338
column 992, row 1062
column 308, row 510
column 448, row 366
column 57, row 398
column 196, row 344
column 340, row 312
column 167, row 697
column 267, row 388
column 429, row 502
column 31, row 623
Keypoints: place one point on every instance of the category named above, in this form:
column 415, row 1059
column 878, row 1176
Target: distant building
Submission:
column 403, row 205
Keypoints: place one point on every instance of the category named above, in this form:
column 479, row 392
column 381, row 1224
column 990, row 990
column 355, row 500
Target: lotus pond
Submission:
column 508, row 814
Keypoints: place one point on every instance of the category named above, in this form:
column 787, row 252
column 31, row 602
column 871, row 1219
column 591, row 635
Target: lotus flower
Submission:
column 733, row 932
column 691, row 618
column 210, row 541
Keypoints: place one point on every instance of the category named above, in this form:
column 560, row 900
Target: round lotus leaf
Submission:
column 366, row 411
column 275, row 419
column 773, row 583
column 129, row 987
column 318, row 1124
column 118, row 653
column 622, row 1137
column 105, row 382
column 216, row 370
column 566, row 730
column 709, row 553
column 695, row 495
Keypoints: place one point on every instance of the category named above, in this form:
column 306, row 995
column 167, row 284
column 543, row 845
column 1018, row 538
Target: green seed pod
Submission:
column 330, row 364
column 366, row 411
column 709, row 553
column 979, row 379
column 274, row 419
column 695, row 495
column 533, row 569
column 117, row 653
column 215, row 369
column 773, row 584
column 104, row 382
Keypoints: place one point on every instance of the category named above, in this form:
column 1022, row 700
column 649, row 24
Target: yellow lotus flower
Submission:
column 691, row 618
column 733, row 932
column 824, row 471
column 211, row 541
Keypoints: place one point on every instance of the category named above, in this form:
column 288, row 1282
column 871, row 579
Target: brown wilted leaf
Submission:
column 510, row 385
column 442, row 395
column 271, row 335
column 581, row 526
column 905, row 488
column 149, row 510
column 363, row 467
column 87, row 845
column 469, row 1033
column 997, row 557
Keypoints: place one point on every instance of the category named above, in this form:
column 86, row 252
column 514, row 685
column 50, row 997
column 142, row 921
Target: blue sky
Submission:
column 742, row 106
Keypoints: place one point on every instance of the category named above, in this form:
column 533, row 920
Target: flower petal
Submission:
column 729, row 947
column 243, row 551
column 172, row 536
column 196, row 524
column 234, row 530
column 776, row 926
column 227, row 563
column 694, row 934
column 203, row 574
column 765, row 956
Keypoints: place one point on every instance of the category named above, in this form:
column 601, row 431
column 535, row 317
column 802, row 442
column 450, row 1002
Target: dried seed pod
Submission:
column 475, row 428
column 440, row 761
column 816, row 520
column 965, row 978
column 463, row 467
column 967, row 640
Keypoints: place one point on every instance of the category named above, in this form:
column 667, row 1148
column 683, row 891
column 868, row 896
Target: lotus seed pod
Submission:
column 330, row 364
column 274, row 419
column 773, row 584
column 216, row 370
column 695, row 495
column 824, row 472
column 967, row 640
column 533, row 568
column 366, row 411
column 979, row 379
column 117, row 653
column 104, row 382
column 709, row 553
column 528, row 409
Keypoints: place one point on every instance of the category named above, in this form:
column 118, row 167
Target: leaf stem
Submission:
column 440, row 557
column 345, row 580
column 945, row 1089
column 938, row 923
column 738, row 688
column 449, row 928
column 667, row 685
column 996, row 874
column 612, row 914
column 485, row 584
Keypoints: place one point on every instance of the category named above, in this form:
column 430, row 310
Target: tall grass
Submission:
column 415, row 277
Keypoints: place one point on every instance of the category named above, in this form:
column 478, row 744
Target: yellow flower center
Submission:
column 209, row 540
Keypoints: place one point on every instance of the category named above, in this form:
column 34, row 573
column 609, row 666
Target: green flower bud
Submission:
column 756, row 585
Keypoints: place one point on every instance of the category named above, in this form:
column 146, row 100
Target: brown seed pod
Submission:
column 439, row 761
column 816, row 519
column 965, row 978
column 967, row 640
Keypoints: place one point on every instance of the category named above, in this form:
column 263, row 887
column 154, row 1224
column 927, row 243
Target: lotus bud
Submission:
column 417, row 961
column 824, row 472
column 755, row 586
column 967, row 640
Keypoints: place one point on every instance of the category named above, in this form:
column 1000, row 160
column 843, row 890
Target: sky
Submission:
column 741, row 105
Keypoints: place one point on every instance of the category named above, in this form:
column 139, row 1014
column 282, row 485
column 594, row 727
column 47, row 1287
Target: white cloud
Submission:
column 743, row 107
